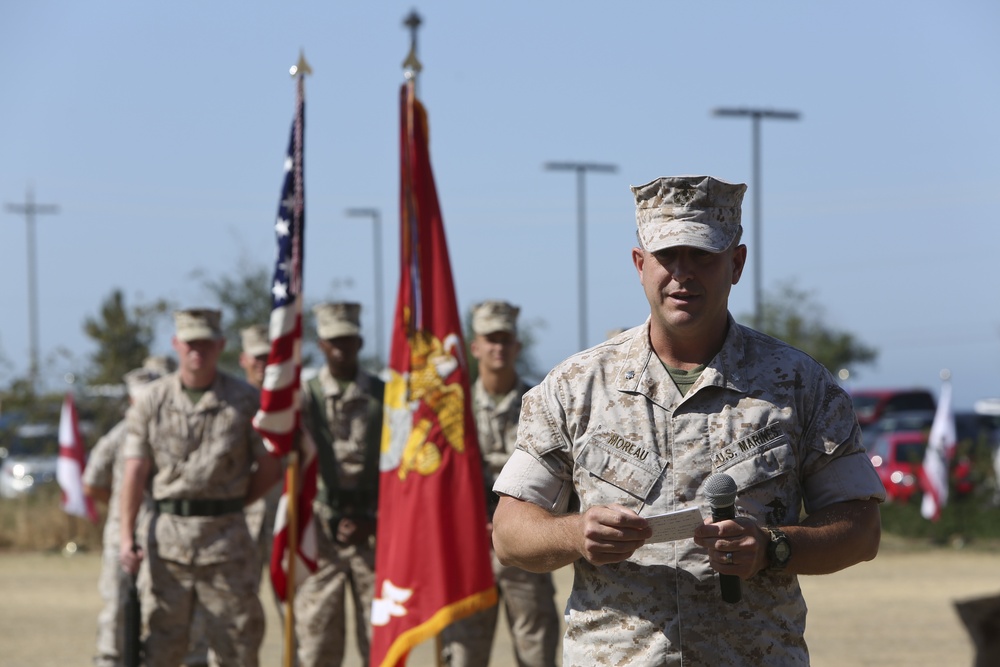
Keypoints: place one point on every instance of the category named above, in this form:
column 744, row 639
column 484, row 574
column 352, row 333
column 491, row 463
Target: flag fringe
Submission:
column 458, row 610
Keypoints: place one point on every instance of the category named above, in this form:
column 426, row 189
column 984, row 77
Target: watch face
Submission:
column 779, row 550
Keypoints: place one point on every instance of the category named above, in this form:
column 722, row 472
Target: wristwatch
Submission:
column 779, row 549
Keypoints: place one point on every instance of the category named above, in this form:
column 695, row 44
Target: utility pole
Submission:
column 376, row 219
column 581, row 169
column 755, row 115
column 29, row 209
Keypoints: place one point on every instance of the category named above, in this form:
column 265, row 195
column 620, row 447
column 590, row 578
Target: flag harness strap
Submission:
column 337, row 499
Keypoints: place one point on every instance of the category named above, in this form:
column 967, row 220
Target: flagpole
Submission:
column 292, row 476
column 411, row 70
column 291, row 484
column 431, row 499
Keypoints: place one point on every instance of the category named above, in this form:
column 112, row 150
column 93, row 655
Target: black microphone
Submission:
column 720, row 489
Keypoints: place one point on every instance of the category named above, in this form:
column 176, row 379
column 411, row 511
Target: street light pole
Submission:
column 376, row 219
column 581, row 169
column 29, row 209
column 755, row 115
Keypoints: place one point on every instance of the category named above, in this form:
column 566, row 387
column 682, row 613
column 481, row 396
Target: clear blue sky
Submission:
column 159, row 130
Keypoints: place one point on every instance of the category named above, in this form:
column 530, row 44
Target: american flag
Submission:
column 278, row 418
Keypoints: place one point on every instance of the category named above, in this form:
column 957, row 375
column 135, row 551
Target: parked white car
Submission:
column 29, row 462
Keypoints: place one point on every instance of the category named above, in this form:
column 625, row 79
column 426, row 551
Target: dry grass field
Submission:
column 895, row 610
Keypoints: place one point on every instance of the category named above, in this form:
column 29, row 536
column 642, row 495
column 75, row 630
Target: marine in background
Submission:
column 190, row 436
column 342, row 411
column 528, row 598
column 102, row 481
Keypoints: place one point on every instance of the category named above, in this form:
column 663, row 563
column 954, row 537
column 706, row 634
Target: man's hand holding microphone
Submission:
column 737, row 546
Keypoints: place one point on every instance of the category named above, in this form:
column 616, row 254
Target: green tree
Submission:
column 123, row 337
column 790, row 314
column 244, row 297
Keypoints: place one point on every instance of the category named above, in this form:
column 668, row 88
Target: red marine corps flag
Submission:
column 278, row 418
column 432, row 564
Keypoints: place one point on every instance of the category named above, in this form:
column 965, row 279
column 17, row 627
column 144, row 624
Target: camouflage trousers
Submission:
column 113, row 587
column 224, row 594
column 199, row 653
column 529, row 604
column 260, row 516
column 320, row 602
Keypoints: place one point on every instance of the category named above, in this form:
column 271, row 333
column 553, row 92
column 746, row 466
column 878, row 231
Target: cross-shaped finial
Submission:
column 413, row 22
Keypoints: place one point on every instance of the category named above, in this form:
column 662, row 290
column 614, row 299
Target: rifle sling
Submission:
column 323, row 436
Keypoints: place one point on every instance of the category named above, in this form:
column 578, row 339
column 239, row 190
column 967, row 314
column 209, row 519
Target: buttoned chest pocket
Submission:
column 171, row 436
column 612, row 469
column 225, row 435
column 176, row 444
column 767, row 483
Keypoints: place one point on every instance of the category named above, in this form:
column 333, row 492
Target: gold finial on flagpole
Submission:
column 411, row 65
column 301, row 68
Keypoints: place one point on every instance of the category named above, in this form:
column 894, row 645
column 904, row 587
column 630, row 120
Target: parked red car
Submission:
column 871, row 404
column 897, row 458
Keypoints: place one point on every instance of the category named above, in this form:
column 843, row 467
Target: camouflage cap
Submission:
column 698, row 211
column 198, row 324
column 139, row 377
column 337, row 319
column 492, row 316
column 254, row 340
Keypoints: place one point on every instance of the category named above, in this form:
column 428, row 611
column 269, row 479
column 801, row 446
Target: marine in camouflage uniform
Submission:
column 633, row 427
column 528, row 597
column 343, row 413
column 260, row 514
column 254, row 348
column 192, row 430
column 102, row 481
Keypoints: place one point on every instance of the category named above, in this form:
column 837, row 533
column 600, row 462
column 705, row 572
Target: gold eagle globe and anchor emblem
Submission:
column 424, row 408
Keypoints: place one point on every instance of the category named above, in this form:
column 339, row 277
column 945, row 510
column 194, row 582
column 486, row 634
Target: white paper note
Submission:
column 672, row 526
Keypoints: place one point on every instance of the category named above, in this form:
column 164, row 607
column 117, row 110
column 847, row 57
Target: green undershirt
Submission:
column 685, row 379
column 194, row 395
